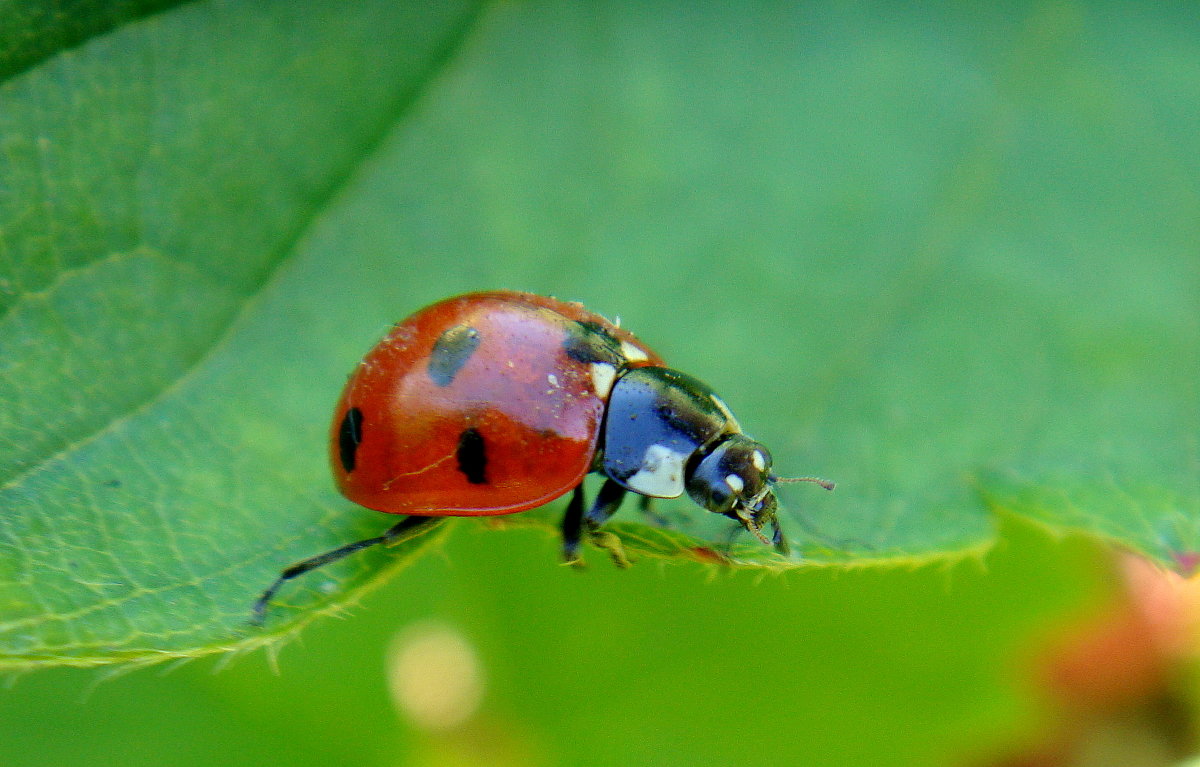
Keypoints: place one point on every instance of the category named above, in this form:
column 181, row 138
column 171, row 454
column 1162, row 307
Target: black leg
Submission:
column 731, row 538
column 572, row 527
column 608, row 500
column 646, row 507
column 396, row 532
column 778, row 539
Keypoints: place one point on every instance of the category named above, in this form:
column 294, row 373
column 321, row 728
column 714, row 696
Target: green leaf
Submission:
column 155, row 468
column 32, row 30
column 941, row 257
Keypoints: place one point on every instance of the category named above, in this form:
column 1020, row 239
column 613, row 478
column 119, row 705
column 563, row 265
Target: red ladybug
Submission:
column 497, row 402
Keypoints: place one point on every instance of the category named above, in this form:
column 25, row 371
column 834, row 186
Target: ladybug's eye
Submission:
column 733, row 474
column 735, row 483
column 759, row 460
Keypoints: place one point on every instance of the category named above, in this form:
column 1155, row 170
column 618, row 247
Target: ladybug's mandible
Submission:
column 497, row 402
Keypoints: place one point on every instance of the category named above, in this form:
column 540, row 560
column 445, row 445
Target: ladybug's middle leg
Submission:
column 608, row 500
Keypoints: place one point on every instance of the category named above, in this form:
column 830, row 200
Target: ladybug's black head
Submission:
column 735, row 479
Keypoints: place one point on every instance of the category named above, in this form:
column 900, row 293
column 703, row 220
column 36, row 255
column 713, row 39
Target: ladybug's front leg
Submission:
column 652, row 515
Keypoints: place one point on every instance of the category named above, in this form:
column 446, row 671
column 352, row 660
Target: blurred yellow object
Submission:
column 434, row 676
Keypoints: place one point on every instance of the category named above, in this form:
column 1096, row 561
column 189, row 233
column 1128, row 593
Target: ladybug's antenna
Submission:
column 815, row 480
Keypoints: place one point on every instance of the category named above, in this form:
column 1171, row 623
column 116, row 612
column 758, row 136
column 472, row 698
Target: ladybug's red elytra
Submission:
column 497, row 402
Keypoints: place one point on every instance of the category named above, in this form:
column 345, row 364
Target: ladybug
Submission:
column 497, row 402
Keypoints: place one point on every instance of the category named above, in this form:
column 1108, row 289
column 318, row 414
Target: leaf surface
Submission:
column 944, row 257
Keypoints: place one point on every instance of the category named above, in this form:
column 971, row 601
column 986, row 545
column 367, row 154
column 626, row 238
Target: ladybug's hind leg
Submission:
column 399, row 531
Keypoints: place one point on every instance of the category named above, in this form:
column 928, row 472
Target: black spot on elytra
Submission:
column 589, row 342
column 451, row 351
column 350, row 437
column 472, row 456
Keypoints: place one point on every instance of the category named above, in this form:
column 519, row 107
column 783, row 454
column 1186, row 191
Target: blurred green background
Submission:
column 944, row 255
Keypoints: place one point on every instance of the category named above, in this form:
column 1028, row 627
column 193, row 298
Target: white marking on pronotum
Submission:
column 661, row 475
column 603, row 375
column 553, row 379
column 633, row 352
column 758, row 460
column 735, row 483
